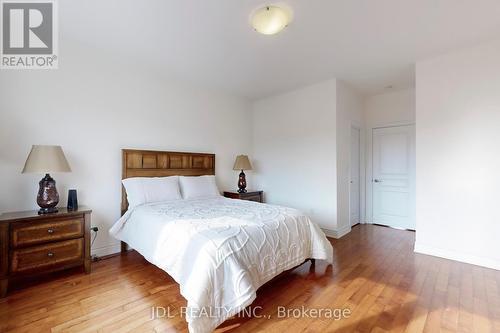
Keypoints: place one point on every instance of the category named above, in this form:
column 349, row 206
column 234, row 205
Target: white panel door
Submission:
column 354, row 188
column 394, row 176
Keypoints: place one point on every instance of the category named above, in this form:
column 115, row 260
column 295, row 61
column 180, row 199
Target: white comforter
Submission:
column 221, row 250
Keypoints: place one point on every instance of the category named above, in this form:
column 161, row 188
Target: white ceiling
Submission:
column 368, row 43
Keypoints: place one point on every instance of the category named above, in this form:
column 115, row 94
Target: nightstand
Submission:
column 32, row 244
column 256, row 196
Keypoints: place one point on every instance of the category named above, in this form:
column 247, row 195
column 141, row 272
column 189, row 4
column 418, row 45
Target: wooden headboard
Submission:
column 150, row 163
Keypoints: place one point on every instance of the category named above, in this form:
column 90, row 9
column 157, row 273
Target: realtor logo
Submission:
column 29, row 35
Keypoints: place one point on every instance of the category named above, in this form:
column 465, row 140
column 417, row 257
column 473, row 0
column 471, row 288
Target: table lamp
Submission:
column 242, row 163
column 46, row 159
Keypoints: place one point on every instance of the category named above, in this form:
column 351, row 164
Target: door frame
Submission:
column 369, row 167
column 360, row 178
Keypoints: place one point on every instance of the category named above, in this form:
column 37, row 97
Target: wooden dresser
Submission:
column 32, row 244
column 256, row 196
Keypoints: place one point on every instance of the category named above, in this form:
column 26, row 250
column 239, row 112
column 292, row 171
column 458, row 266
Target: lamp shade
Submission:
column 46, row 159
column 242, row 163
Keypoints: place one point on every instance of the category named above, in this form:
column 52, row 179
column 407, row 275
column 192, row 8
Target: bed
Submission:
column 219, row 250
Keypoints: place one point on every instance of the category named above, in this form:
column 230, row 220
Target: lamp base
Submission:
column 242, row 183
column 47, row 197
column 50, row 210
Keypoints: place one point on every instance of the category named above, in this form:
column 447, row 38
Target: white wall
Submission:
column 294, row 155
column 94, row 109
column 302, row 143
column 349, row 113
column 458, row 155
column 389, row 109
column 392, row 108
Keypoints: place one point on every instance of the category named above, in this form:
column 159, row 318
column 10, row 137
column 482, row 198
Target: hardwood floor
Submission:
column 376, row 275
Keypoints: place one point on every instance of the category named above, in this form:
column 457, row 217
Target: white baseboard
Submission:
column 106, row 250
column 457, row 256
column 337, row 233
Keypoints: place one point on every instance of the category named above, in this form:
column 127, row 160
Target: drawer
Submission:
column 48, row 256
column 31, row 233
column 255, row 198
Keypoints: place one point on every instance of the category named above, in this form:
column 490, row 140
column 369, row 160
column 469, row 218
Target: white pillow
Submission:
column 198, row 187
column 141, row 190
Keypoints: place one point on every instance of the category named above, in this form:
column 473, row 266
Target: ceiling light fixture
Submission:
column 270, row 20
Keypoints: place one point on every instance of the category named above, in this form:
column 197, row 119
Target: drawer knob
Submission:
column 50, row 254
column 50, row 231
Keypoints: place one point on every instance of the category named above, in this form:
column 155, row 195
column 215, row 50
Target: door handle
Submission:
column 377, row 181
